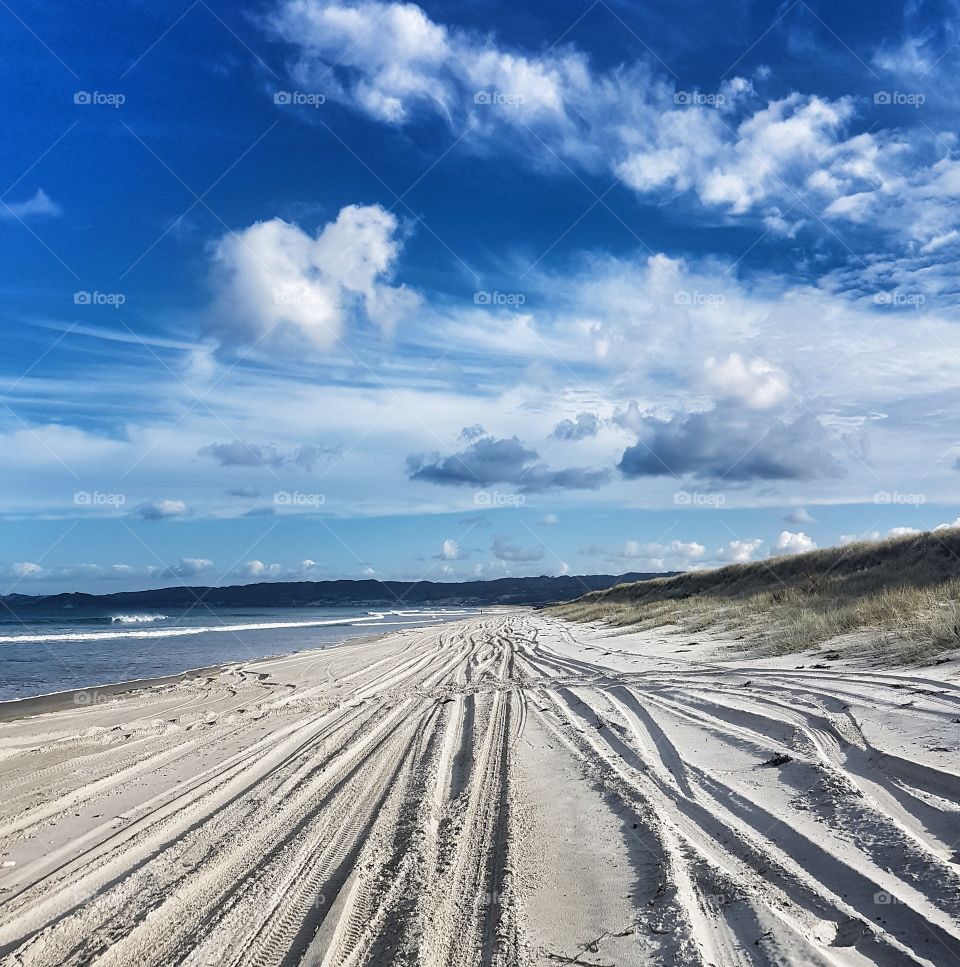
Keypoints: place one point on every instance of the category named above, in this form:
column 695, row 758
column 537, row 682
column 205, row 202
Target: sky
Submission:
column 309, row 289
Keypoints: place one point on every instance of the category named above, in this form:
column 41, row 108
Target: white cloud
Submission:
column 277, row 281
column 739, row 551
column 257, row 569
column 755, row 382
column 450, row 551
column 794, row 543
column 26, row 569
column 549, row 520
column 188, row 567
column 847, row 539
column 676, row 555
column 40, row 205
column 908, row 59
column 799, row 516
column 902, row 531
column 391, row 61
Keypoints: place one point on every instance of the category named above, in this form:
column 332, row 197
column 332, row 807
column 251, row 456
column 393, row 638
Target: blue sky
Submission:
column 311, row 289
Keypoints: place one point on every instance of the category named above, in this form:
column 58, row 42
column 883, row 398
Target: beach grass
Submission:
column 897, row 599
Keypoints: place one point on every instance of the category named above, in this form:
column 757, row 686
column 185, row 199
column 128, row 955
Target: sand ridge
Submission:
column 508, row 789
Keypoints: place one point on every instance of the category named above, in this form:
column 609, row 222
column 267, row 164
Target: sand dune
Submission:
column 509, row 789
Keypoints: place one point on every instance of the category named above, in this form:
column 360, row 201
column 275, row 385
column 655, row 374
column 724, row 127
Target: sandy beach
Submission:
column 508, row 789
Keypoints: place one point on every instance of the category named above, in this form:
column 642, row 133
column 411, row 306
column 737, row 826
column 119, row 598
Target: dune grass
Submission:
column 898, row 600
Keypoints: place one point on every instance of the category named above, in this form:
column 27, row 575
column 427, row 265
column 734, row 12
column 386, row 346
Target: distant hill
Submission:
column 303, row 594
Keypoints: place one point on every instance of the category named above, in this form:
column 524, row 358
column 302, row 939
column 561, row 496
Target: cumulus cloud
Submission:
column 39, row 206
column 794, row 543
column 676, row 555
column 730, row 443
column 585, row 425
column 739, row 551
column 755, row 382
column 902, row 531
column 239, row 453
column 257, row 569
column 276, row 280
column 162, row 509
column 505, row 549
column 450, row 551
column 799, row 516
column 188, row 567
column 488, row 461
column 549, row 520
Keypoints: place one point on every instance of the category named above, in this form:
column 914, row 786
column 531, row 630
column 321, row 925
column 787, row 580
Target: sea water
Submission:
column 39, row 656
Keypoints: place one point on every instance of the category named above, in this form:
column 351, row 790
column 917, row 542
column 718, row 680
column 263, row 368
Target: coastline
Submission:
column 13, row 709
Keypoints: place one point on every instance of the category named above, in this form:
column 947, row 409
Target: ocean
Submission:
column 38, row 657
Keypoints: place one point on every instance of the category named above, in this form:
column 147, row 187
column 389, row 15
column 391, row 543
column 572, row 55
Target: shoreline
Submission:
column 60, row 700
column 14, row 709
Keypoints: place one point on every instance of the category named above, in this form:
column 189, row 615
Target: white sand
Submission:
column 508, row 789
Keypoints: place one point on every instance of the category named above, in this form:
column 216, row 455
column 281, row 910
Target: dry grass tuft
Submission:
column 901, row 596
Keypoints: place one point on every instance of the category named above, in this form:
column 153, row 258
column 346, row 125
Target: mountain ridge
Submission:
column 334, row 593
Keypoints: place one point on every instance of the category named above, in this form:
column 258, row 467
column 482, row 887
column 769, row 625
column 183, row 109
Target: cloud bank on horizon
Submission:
column 615, row 296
